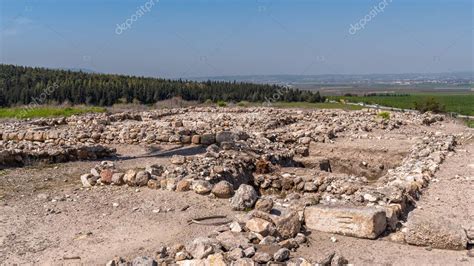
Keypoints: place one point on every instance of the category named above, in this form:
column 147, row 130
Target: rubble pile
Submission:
column 232, row 162
column 197, row 125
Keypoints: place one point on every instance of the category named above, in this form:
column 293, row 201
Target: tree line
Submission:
column 20, row 85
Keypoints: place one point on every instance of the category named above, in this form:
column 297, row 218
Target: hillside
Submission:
column 25, row 85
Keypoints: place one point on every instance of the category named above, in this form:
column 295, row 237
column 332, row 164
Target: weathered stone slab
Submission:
column 439, row 233
column 357, row 222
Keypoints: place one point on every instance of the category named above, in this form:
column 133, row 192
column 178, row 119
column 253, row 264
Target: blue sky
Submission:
column 189, row 38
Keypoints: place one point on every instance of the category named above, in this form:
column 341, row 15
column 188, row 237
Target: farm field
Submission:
column 316, row 105
column 458, row 103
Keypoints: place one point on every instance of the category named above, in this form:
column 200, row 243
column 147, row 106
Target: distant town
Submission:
column 465, row 79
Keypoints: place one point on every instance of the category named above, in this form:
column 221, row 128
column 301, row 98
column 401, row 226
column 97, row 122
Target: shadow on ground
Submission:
column 156, row 153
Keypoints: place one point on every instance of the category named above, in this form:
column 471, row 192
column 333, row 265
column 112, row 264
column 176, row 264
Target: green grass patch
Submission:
column 470, row 123
column 457, row 103
column 316, row 105
column 243, row 104
column 221, row 104
column 384, row 115
column 23, row 113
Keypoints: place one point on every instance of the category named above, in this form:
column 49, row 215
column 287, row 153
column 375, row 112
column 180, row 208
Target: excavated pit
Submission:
column 341, row 169
column 362, row 158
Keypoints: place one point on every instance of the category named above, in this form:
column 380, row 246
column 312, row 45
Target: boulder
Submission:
column 281, row 255
column 171, row 184
column 290, row 243
column 268, row 240
column 304, row 140
column 86, row 180
column 300, row 238
column 155, row 169
column 196, row 139
column 106, row 176
column 141, row 179
column 208, row 139
column 262, row 257
column 153, row 184
column 231, row 240
column 235, row 227
column 287, row 183
column 235, row 254
column 202, row 187
column 244, row 198
column 289, row 225
column 216, row 260
column 185, row 139
column 259, row 226
column 183, row 185
column 129, row 177
column 352, row 221
column 264, row 204
column 249, row 252
column 202, row 247
column 117, row 179
column 223, row 189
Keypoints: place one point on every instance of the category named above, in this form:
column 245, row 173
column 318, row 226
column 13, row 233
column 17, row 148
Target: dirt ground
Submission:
column 47, row 218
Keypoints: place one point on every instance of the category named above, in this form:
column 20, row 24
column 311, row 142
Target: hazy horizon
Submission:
column 244, row 75
column 209, row 38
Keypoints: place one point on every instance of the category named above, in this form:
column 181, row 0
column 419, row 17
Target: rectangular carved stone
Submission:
column 436, row 233
column 351, row 221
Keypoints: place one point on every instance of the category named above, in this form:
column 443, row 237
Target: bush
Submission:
column 384, row 115
column 243, row 104
column 221, row 104
column 429, row 105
